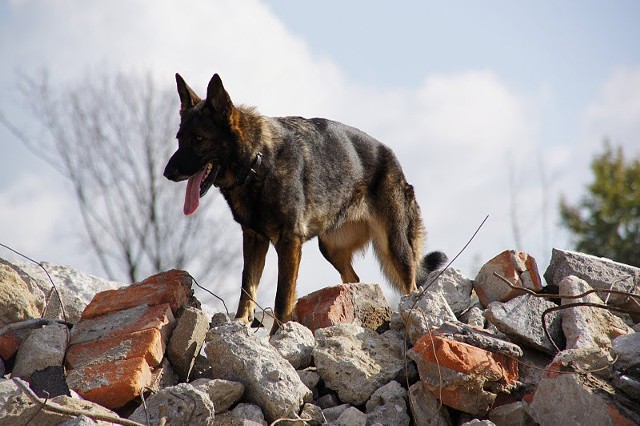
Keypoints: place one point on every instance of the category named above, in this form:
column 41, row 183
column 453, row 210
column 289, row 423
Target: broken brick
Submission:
column 172, row 287
column 464, row 377
column 123, row 323
column 148, row 344
column 111, row 384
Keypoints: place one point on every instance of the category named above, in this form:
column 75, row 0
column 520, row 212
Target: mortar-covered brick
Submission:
column 123, row 323
column 148, row 344
column 172, row 287
column 518, row 267
column 326, row 307
column 466, row 377
column 359, row 303
column 111, row 384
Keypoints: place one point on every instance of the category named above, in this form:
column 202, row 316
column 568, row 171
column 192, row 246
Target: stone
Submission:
column 17, row 408
column 474, row 316
column 123, row 323
column 453, row 285
column 599, row 272
column 223, row 393
column 425, row 408
column 521, row 319
column 580, row 399
column 327, row 401
column 182, row 404
column 514, row 414
column 482, row 339
column 112, row 384
column 462, row 376
column 147, row 344
column 518, row 267
column 312, row 415
column 172, row 287
column 242, row 415
column 422, row 310
column 310, row 380
column 49, row 382
column 295, row 343
column 74, row 287
column 186, row 340
column 627, row 349
column 44, row 347
column 79, row 421
column 162, row 376
column 351, row 417
column 388, row 405
column 588, row 326
column 363, row 304
column 270, row 381
column 17, row 303
column 355, row 361
column 331, row 414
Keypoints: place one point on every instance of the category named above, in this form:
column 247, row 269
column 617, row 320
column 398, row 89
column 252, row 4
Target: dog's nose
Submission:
column 171, row 172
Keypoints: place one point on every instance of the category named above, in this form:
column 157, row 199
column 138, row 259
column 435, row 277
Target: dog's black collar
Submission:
column 249, row 176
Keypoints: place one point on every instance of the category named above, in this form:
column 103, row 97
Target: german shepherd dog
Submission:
column 289, row 179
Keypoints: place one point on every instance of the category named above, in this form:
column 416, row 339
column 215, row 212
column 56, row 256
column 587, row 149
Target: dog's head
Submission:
column 204, row 138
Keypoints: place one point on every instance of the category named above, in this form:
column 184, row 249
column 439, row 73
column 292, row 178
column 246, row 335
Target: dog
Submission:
column 290, row 179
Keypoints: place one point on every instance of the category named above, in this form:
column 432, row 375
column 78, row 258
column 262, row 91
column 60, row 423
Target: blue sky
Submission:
column 477, row 99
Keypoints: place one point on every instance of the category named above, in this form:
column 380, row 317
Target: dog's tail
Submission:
column 431, row 262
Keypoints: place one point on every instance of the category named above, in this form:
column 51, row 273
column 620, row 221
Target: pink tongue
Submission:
column 192, row 197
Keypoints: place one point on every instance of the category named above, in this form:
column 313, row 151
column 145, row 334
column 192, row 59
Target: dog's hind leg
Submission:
column 254, row 249
column 340, row 258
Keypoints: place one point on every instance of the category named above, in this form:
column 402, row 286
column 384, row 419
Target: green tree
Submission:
column 606, row 221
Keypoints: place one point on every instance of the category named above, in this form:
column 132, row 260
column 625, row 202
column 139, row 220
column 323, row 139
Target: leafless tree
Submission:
column 111, row 136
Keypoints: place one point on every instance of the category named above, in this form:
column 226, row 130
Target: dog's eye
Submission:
column 199, row 138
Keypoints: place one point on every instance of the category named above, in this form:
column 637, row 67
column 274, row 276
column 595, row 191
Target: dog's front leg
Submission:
column 289, row 250
column 254, row 250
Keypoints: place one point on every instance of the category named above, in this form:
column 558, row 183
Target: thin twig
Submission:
column 211, row 293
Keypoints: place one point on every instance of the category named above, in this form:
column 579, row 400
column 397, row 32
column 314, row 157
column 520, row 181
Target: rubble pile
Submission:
column 458, row 351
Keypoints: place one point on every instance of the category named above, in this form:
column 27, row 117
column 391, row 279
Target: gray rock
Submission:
column 351, row 417
column 270, row 381
column 331, row 414
column 223, row 393
column 478, row 422
column 479, row 338
column 521, row 319
column 295, row 343
column 186, row 340
column 581, row 399
column 421, row 311
column 75, row 287
column 80, row 421
column 43, row 347
column 586, row 327
column 312, row 415
column 627, row 349
column 599, row 272
column 514, row 414
column 425, row 408
column 453, row 285
column 388, row 405
column 310, row 379
column 182, row 404
column 243, row 414
column 327, row 401
column 355, row 361
column 17, row 303
column 474, row 316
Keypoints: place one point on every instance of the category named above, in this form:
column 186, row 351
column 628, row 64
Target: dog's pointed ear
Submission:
column 188, row 98
column 218, row 98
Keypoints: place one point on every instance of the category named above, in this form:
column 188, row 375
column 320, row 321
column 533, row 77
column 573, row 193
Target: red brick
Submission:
column 326, row 307
column 111, row 384
column 147, row 344
column 172, row 287
column 123, row 323
column 9, row 344
column 460, row 374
